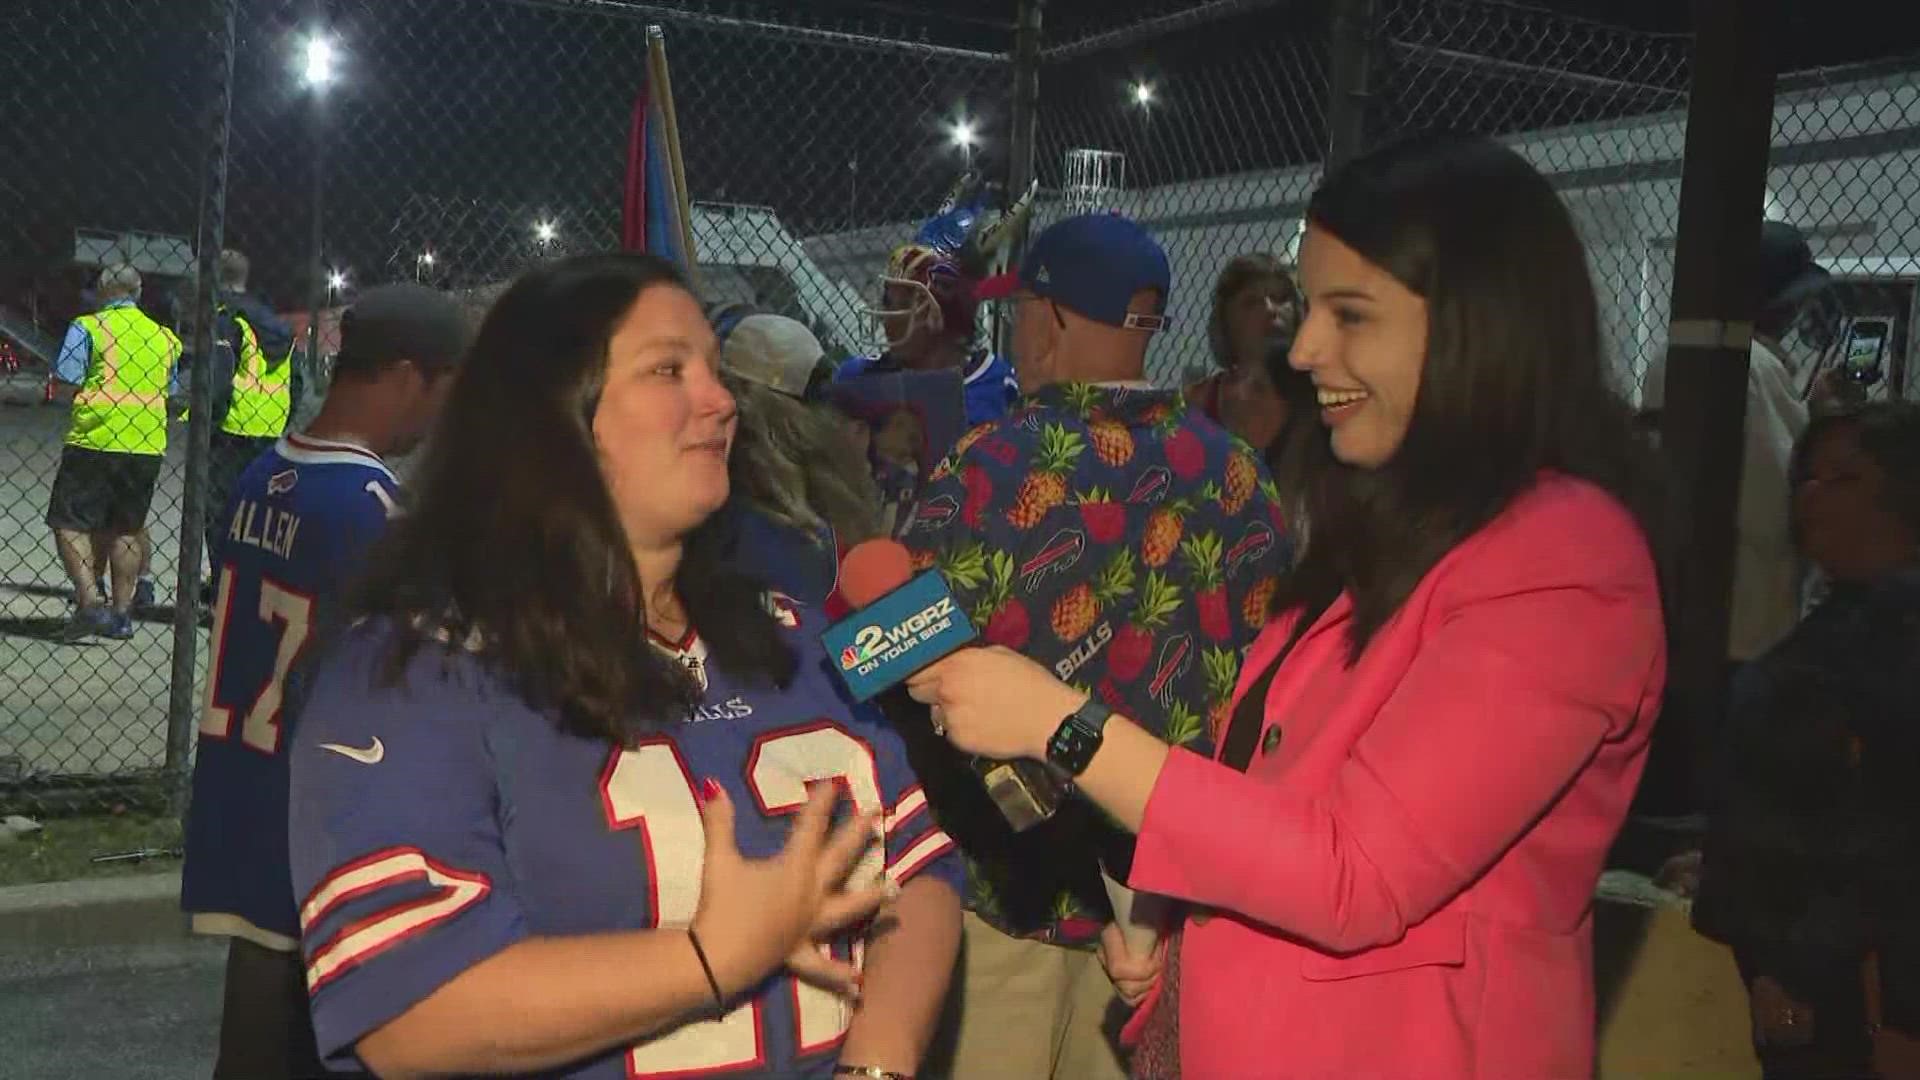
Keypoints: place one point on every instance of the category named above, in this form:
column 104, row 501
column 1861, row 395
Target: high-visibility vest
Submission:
column 121, row 405
column 262, row 393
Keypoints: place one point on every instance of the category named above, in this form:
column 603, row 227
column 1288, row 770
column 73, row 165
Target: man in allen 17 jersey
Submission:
column 298, row 521
column 438, row 823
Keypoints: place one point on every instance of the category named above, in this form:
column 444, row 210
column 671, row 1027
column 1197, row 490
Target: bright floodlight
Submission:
column 963, row 134
column 426, row 258
column 544, row 231
column 319, row 69
column 337, row 280
column 1142, row 93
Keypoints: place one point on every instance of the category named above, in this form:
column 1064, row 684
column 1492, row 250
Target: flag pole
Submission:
column 663, row 93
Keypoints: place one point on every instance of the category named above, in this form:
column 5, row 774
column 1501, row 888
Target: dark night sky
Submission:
column 458, row 122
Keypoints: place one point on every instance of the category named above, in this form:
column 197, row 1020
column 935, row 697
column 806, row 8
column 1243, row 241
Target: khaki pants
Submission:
column 1026, row 1010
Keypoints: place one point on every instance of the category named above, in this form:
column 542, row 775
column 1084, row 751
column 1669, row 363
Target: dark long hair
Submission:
column 514, row 545
column 1514, row 381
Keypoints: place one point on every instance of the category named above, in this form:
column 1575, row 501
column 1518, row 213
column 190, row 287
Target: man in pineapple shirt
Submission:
column 1108, row 531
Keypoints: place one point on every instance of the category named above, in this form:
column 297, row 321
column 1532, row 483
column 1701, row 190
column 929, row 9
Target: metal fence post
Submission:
column 182, row 703
column 318, row 287
column 1021, row 128
column 1722, row 189
column 1355, row 24
column 1026, row 95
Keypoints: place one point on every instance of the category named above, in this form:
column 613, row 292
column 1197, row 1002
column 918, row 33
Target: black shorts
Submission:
column 96, row 491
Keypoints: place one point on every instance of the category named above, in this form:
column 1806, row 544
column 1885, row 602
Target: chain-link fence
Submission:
column 1207, row 125
column 103, row 167
column 446, row 141
column 1845, row 169
column 455, row 141
column 1601, row 111
column 462, row 139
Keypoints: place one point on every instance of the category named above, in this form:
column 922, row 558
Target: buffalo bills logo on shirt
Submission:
column 1255, row 545
column 1151, row 487
column 935, row 513
column 282, row 482
column 1061, row 554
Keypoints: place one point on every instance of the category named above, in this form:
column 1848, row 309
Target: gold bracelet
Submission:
column 870, row 1072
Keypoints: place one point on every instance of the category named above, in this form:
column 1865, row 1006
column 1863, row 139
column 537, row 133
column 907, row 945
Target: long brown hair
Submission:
column 1514, row 381
column 514, row 544
column 796, row 463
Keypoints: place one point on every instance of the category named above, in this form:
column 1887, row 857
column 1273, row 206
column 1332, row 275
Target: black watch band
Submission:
column 1078, row 738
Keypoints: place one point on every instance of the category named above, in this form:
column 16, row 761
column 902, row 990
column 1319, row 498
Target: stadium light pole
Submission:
column 318, row 71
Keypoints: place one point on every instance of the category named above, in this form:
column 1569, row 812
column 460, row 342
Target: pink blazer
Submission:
column 1400, row 886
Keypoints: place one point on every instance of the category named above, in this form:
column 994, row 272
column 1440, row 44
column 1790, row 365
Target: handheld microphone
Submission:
column 902, row 624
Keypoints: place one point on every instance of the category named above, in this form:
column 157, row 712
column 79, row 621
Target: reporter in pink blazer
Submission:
column 1444, row 725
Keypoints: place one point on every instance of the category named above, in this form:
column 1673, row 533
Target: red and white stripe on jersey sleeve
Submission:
column 450, row 892
column 905, row 859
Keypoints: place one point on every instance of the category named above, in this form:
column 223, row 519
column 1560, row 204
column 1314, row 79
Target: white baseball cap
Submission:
column 774, row 351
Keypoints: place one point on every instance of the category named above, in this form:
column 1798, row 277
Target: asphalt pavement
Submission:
column 100, row 979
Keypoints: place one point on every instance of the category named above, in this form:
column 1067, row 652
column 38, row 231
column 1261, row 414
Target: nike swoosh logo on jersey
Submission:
column 369, row 755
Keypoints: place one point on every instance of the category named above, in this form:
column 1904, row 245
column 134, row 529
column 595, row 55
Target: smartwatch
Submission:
column 1078, row 738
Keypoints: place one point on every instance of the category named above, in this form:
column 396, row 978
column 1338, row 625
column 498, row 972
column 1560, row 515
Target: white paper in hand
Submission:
column 1139, row 915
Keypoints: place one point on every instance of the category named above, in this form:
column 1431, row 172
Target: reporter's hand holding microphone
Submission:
column 997, row 703
column 1016, row 719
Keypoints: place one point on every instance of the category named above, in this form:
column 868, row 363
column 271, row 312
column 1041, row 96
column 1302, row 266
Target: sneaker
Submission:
column 143, row 595
column 89, row 621
column 119, row 627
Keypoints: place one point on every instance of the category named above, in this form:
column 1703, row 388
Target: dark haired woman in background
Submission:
column 1254, row 302
column 1811, row 869
column 1442, row 732
column 561, row 797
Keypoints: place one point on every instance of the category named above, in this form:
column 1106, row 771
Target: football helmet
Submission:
column 929, row 282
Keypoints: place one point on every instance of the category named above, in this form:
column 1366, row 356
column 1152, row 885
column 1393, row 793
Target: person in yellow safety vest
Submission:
column 122, row 366
column 251, row 371
column 252, row 377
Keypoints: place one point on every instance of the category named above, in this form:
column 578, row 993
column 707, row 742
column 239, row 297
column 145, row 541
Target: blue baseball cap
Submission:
column 1092, row 264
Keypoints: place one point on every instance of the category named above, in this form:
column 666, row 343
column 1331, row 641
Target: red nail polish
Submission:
column 709, row 790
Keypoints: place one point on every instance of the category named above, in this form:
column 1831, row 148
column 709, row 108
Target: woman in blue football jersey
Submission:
column 562, row 795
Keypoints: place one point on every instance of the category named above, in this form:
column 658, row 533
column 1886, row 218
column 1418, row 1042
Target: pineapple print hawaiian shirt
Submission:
column 1132, row 546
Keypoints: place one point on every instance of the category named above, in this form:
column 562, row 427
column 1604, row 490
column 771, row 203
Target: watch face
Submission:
column 1073, row 744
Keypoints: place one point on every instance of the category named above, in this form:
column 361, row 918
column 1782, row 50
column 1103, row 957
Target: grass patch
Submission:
column 66, row 847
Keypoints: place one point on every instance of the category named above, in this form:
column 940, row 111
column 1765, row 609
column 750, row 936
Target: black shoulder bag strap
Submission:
column 1243, row 730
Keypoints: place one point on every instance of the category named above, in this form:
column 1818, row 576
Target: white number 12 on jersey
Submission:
column 649, row 789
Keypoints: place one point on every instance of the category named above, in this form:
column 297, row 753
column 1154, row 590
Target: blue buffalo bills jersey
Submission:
column 300, row 518
column 439, row 822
